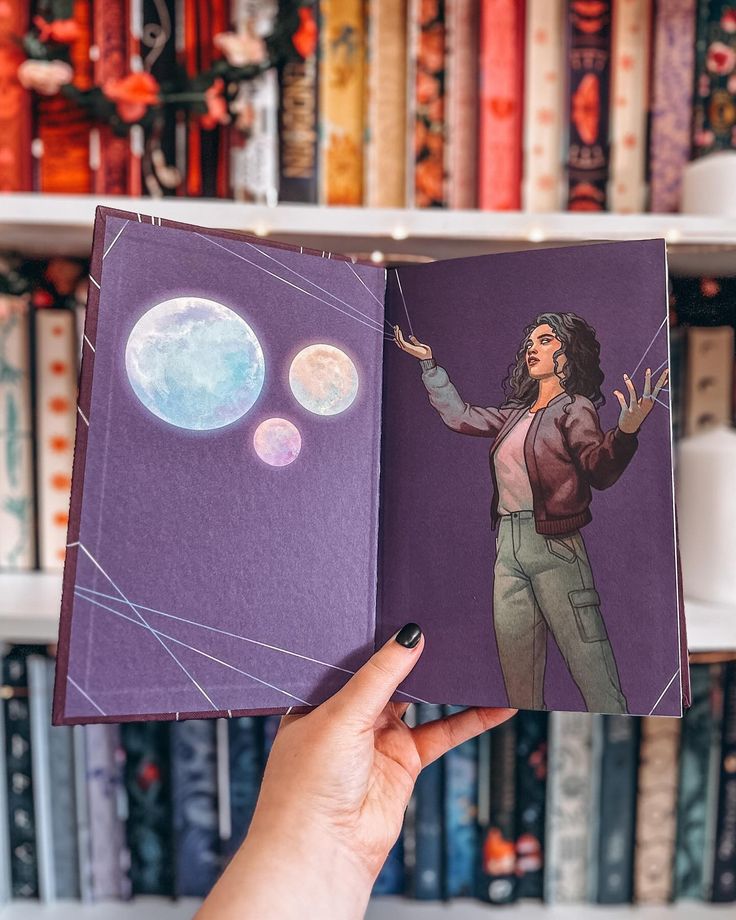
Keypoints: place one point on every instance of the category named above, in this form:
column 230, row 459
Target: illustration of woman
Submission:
column 547, row 452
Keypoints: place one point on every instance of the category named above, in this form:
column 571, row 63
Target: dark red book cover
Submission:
column 15, row 102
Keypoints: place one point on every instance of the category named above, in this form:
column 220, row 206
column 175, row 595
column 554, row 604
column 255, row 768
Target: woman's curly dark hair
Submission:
column 581, row 374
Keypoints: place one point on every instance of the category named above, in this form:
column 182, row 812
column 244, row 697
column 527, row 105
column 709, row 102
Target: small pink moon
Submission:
column 277, row 442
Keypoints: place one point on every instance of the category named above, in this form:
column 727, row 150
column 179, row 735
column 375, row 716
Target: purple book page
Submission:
column 437, row 548
column 223, row 526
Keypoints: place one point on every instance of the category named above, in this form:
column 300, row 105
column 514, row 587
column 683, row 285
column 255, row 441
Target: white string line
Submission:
column 94, row 282
column 142, row 619
column 380, row 304
column 191, row 648
column 288, row 268
column 230, row 635
column 85, row 695
column 660, row 367
column 115, row 240
column 660, row 402
column 289, row 283
column 86, row 421
column 641, row 360
column 401, row 291
column 88, row 342
column 664, row 691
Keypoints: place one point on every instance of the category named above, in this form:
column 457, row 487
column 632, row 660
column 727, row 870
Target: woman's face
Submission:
column 540, row 352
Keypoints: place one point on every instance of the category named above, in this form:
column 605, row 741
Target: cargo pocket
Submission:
column 561, row 548
column 586, row 607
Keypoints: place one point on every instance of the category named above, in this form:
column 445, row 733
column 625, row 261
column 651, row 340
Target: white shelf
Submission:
column 30, row 603
column 45, row 224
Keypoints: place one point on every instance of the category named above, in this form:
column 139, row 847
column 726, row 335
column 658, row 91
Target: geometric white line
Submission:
column 660, row 366
column 661, row 403
column 89, row 343
column 115, row 240
column 191, row 648
column 401, row 291
column 83, row 416
column 85, row 695
column 350, row 266
column 145, row 623
column 139, row 219
column 641, row 360
column 664, row 691
column 94, row 282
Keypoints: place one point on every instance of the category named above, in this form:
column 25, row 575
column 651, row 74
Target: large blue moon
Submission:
column 194, row 363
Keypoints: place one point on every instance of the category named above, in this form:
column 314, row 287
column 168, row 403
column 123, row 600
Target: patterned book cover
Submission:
column 498, row 843
column 341, row 97
column 630, row 65
column 461, row 814
column 462, row 21
column 543, row 115
column 194, row 804
column 714, row 94
column 708, row 378
column 656, row 810
column 17, row 492
column 298, row 111
column 18, row 766
column 697, row 729
column 502, row 37
column 149, row 826
column 15, row 111
column 531, row 797
column 56, row 395
column 246, row 761
column 569, row 804
column 426, row 181
column 111, row 62
column 62, row 127
column 385, row 156
column 429, row 877
column 589, row 74
column 671, row 101
column 724, row 870
column 254, row 141
column 107, row 809
column 617, row 808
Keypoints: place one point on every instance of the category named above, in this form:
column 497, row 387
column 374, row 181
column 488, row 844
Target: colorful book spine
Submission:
column 429, row 821
column 426, row 181
column 531, row 783
column 298, row 111
column 461, row 835
column 629, row 111
column 105, row 793
column 498, row 856
column 245, row 753
column 724, row 870
column 671, row 101
column 56, row 393
column 111, row 60
column 17, row 492
column 714, row 95
column 462, row 17
column 569, row 804
column 160, row 24
column 543, row 179
column 656, row 810
column 15, row 111
column 502, row 34
column 617, row 807
column 589, row 75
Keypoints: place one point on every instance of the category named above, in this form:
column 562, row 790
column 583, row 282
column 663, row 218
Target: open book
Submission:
column 282, row 456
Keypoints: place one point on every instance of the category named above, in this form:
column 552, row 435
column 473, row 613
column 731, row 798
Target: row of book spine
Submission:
column 545, row 105
column 564, row 807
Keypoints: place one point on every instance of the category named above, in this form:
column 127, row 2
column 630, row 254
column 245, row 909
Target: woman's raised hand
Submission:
column 413, row 346
column 636, row 410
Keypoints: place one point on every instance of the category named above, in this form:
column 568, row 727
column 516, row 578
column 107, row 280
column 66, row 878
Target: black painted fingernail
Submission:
column 409, row 635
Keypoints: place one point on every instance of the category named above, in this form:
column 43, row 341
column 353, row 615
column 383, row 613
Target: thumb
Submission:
column 364, row 697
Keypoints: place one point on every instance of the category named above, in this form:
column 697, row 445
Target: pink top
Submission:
column 514, row 488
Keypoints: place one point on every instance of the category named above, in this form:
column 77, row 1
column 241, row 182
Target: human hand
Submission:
column 334, row 793
column 413, row 346
column 636, row 410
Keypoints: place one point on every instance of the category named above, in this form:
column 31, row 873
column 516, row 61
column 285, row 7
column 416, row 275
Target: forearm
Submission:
column 452, row 409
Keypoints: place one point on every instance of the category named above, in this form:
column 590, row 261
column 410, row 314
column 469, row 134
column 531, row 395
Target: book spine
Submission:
column 656, row 810
column 385, row 173
column 390, row 880
column 341, row 95
column 617, row 804
column 714, row 95
column 298, row 111
column 110, row 23
column 427, row 187
column 724, row 873
column 6, row 881
column 245, row 751
column 543, row 180
column 105, row 786
column 709, row 378
column 56, row 394
column 409, row 828
column 212, row 19
column 531, row 781
column 38, row 699
column 158, row 172
column 502, row 36
column 429, row 791
column 499, row 842
column 678, row 340
column 463, row 17
column 82, row 816
column 712, row 789
column 461, row 838
column 589, row 74
column 193, row 180
column 630, row 59
column 17, row 493
column 671, row 105
column 15, row 112
column 569, row 803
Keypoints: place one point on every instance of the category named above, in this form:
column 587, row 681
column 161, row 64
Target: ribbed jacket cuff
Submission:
column 428, row 363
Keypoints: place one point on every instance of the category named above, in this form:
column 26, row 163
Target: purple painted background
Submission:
column 192, row 524
column 437, row 547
